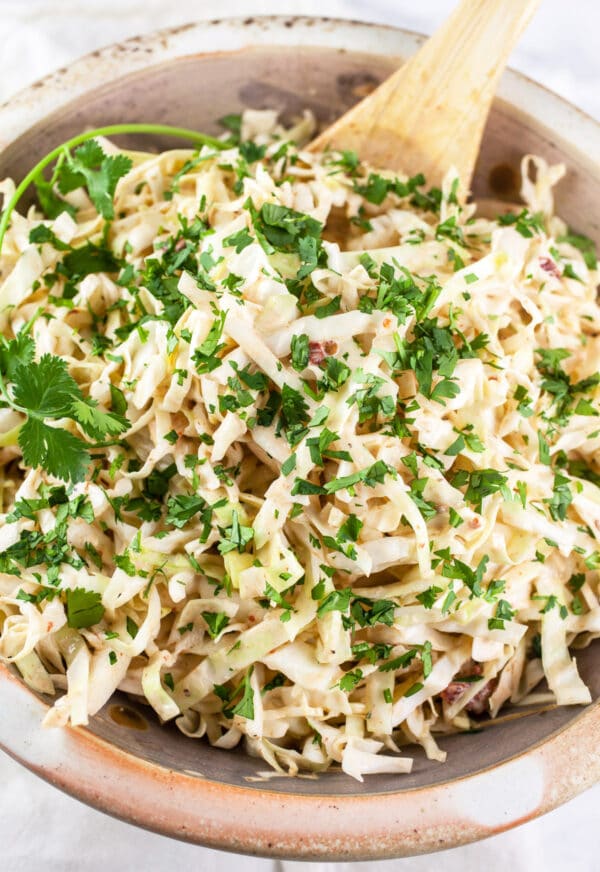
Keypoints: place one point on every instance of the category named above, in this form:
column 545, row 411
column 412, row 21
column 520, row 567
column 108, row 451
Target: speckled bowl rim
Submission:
column 247, row 820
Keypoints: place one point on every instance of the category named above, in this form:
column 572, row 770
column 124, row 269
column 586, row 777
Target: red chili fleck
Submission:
column 454, row 690
column 548, row 265
column 316, row 352
column 479, row 704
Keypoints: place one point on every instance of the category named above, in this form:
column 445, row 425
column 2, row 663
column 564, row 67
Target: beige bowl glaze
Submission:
column 125, row 763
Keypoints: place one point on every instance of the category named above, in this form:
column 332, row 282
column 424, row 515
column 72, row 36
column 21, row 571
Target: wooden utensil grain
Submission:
column 430, row 114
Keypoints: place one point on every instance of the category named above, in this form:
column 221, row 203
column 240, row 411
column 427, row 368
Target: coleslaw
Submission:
column 322, row 474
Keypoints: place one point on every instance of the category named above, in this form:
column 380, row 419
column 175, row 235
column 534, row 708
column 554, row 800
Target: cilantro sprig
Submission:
column 557, row 383
column 89, row 167
column 44, row 391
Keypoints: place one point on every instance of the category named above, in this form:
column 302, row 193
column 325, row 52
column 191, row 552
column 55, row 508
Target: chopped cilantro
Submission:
column 244, row 707
column 585, row 245
column 483, row 483
column 205, row 356
column 300, row 352
column 526, row 223
column 236, row 537
column 215, row 622
column 349, row 681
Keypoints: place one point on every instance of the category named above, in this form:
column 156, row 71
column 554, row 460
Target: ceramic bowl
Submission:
column 125, row 763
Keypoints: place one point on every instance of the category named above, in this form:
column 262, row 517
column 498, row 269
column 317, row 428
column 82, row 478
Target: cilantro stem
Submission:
column 111, row 130
column 108, row 444
column 9, row 400
column 6, row 397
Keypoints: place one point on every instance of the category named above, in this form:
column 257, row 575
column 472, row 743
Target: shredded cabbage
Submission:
column 357, row 505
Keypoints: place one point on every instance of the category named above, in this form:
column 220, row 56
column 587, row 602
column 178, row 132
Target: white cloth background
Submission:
column 42, row 829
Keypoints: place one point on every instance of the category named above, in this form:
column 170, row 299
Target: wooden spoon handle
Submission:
column 430, row 114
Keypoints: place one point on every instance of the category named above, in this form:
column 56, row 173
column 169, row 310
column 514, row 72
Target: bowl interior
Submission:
column 195, row 91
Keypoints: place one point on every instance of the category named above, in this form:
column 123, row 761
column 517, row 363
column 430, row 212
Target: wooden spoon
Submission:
column 430, row 114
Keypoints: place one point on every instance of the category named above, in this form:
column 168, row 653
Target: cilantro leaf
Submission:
column 86, row 260
column 371, row 653
column 483, row 483
column 91, row 168
column 400, row 662
column 118, row 401
column 428, row 597
column 289, row 465
column 349, row 681
column 562, row 497
column 427, row 659
column 182, row 508
column 329, row 308
column 257, row 381
column 445, row 388
column 349, row 162
column 124, row 562
column 215, row 622
column 585, row 245
column 42, row 234
column 52, row 205
column 239, row 240
column 84, row 608
column 557, row 383
column 282, row 226
column 235, row 537
column 95, row 422
column 303, row 487
column 87, row 155
column 300, row 352
column 245, row 706
column 157, row 483
column 45, row 388
column 312, row 254
column 205, row 356
column 416, row 489
column 336, row 601
column 449, row 229
column 59, row 452
column 368, row 612
column 528, row 224
column 16, row 352
column 251, row 152
column 336, row 375
column 294, row 409
column 504, row 612
column 455, row 568
column 376, row 187
column 233, row 123
column 543, row 449
column 350, row 529
column 592, row 561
